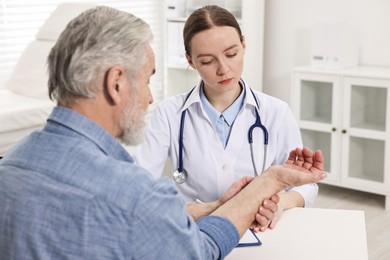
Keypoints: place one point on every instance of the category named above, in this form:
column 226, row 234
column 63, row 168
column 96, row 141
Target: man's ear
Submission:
column 114, row 84
column 189, row 60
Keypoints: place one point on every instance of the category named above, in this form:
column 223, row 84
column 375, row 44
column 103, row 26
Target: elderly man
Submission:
column 70, row 190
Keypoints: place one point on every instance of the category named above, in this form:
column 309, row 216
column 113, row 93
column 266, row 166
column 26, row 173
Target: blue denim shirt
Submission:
column 70, row 191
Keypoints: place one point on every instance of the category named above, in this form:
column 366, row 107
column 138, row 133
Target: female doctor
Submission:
column 209, row 145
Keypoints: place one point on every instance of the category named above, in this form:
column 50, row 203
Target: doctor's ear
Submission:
column 243, row 42
column 189, row 60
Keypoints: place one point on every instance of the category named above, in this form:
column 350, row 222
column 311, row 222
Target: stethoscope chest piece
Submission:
column 180, row 176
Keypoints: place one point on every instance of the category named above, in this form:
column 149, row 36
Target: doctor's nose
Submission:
column 222, row 69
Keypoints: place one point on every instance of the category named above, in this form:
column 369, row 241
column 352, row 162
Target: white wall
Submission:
column 287, row 40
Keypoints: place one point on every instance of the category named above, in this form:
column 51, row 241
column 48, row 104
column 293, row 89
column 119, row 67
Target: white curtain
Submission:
column 21, row 19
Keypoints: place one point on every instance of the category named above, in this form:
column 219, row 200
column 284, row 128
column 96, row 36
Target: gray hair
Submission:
column 93, row 42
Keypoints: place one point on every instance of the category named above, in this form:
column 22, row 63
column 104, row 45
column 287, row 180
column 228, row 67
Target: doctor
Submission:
column 204, row 132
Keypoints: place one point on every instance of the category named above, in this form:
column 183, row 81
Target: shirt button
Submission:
column 224, row 167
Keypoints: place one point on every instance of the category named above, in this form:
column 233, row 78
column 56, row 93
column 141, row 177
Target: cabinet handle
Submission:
column 333, row 129
column 344, row 131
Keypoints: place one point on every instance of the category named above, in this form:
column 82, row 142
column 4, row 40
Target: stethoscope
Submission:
column 181, row 175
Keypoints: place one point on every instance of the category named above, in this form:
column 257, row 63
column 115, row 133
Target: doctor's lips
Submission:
column 225, row 81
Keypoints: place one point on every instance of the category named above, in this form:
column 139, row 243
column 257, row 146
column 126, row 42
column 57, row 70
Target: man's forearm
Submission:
column 199, row 210
column 242, row 208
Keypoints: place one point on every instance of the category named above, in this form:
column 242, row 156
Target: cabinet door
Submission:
column 365, row 130
column 316, row 103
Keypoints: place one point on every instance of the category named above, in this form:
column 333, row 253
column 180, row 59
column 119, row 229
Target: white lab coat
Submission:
column 211, row 168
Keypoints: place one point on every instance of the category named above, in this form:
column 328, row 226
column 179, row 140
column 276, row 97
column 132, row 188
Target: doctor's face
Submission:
column 218, row 56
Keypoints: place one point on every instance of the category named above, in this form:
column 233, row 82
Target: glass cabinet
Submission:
column 345, row 113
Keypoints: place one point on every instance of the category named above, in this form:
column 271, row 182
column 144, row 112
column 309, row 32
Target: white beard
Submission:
column 132, row 122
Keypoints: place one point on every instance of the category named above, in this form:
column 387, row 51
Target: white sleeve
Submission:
column 153, row 152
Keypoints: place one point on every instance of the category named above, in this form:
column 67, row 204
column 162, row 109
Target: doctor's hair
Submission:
column 91, row 44
column 206, row 18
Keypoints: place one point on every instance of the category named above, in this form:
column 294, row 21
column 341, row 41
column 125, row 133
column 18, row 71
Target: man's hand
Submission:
column 302, row 166
column 307, row 159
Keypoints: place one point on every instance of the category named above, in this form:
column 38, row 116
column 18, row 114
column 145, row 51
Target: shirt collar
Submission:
column 229, row 114
column 81, row 125
column 193, row 96
column 249, row 98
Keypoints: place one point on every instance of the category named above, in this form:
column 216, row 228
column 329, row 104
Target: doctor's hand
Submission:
column 235, row 188
column 266, row 214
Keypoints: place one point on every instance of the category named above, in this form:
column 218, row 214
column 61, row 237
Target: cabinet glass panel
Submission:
column 366, row 159
column 318, row 141
column 316, row 101
column 368, row 107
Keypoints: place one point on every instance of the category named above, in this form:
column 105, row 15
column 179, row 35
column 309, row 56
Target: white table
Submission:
column 310, row 233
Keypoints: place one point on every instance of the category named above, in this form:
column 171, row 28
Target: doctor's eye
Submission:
column 206, row 62
column 231, row 55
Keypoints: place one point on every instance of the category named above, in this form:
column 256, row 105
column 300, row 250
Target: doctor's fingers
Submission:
column 275, row 198
column 276, row 219
column 237, row 186
column 261, row 223
column 266, row 214
column 270, row 204
column 255, row 226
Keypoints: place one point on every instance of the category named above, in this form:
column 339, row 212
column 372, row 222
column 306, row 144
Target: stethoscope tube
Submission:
column 180, row 175
column 183, row 116
column 250, row 140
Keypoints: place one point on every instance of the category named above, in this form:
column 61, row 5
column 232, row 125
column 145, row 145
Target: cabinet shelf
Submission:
column 317, row 118
column 368, row 107
column 377, row 126
column 366, row 160
column 317, row 101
